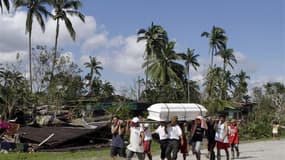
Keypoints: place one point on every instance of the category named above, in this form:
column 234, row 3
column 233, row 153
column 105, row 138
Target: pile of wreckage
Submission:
column 63, row 132
column 48, row 132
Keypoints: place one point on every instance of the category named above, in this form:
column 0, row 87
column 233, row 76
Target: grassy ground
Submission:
column 80, row 155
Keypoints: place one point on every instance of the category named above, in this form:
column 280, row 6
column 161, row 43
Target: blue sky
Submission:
column 256, row 31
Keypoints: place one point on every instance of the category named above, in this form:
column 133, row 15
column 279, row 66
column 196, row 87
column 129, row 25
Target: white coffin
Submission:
column 184, row 111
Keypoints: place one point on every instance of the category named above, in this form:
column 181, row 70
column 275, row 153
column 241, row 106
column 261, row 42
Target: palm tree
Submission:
column 95, row 67
column 190, row 60
column 13, row 82
column 107, row 90
column 217, row 41
column 229, row 83
column 241, row 88
column 213, row 81
column 5, row 3
column 164, row 68
column 155, row 37
column 227, row 55
column 36, row 8
column 63, row 8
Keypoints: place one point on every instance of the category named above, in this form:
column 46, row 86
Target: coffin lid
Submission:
column 184, row 111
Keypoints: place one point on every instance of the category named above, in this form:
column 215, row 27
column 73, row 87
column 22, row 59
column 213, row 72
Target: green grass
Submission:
column 102, row 154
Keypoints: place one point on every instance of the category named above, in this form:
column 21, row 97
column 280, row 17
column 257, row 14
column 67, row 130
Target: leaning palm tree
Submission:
column 95, row 67
column 155, row 37
column 36, row 8
column 63, row 8
column 190, row 60
column 5, row 3
column 217, row 41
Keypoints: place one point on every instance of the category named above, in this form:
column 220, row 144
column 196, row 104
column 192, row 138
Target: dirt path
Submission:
column 264, row 150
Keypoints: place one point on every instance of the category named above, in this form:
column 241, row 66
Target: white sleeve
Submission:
column 179, row 131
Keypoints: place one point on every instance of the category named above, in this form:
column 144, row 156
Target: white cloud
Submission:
column 8, row 57
column 13, row 38
column 128, row 59
column 95, row 42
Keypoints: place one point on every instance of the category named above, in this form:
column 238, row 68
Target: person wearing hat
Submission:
column 233, row 138
column 197, row 134
column 175, row 138
column 221, row 137
column 136, row 140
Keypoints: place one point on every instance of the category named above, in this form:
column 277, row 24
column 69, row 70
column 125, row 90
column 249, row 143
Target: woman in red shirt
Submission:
column 233, row 137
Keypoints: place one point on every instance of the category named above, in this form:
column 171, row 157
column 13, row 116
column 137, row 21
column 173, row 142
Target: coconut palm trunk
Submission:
column 30, row 60
column 188, row 85
column 55, row 49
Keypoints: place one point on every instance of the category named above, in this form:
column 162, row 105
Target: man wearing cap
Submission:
column 175, row 134
column 197, row 134
column 136, row 140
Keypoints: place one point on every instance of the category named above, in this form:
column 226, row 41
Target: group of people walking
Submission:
column 175, row 137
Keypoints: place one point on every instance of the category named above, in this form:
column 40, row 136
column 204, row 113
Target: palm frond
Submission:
column 6, row 4
column 141, row 31
column 76, row 13
column 40, row 20
column 69, row 27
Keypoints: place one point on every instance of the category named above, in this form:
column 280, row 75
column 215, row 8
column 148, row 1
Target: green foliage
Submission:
column 216, row 105
column 259, row 122
column 121, row 109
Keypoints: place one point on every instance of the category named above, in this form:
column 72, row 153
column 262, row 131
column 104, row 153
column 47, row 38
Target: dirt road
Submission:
column 264, row 150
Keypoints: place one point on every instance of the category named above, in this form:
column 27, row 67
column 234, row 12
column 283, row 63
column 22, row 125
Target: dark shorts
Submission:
column 118, row 151
column 211, row 145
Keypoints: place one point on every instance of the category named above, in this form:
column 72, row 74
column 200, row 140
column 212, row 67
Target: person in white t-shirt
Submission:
column 147, row 140
column 136, row 140
column 221, row 137
column 175, row 138
column 163, row 138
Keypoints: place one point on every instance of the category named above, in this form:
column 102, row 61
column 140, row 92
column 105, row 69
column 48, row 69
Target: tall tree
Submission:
column 155, row 37
column 217, row 41
column 164, row 68
column 107, row 90
column 63, row 8
column 6, row 4
column 11, row 90
column 241, row 87
column 228, row 57
column 190, row 60
column 36, row 8
column 95, row 66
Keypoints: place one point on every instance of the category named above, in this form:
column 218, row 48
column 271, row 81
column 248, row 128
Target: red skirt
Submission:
column 146, row 146
column 221, row 145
